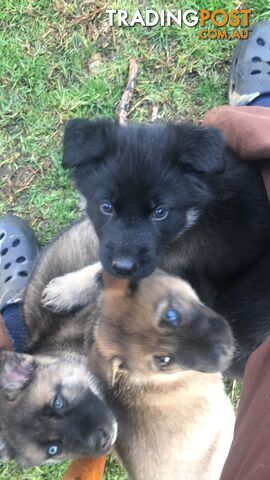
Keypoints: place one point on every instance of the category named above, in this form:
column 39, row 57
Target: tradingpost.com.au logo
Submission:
column 213, row 24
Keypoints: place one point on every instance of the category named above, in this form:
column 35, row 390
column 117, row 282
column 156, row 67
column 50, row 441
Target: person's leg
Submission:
column 18, row 250
column 249, row 456
column 246, row 125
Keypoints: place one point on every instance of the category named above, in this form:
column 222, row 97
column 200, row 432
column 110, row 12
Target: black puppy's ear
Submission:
column 16, row 373
column 86, row 141
column 202, row 149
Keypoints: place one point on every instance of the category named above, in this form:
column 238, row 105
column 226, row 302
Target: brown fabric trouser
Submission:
column 247, row 131
column 249, row 456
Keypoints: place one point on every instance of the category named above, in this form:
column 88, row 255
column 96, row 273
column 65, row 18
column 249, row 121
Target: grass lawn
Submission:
column 60, row 59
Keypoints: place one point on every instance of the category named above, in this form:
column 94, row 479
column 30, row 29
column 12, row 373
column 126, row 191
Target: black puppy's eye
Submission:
column 163, row 362
column 159, row 213
column 106, row 208
column 59, row 403
column 53, row 450
column 171, row 318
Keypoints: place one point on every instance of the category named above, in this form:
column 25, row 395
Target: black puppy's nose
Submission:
column 102, row 439
column 124, row 266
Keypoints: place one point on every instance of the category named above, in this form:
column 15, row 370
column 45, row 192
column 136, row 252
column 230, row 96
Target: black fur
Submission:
column 246, row 305
column 184, row 169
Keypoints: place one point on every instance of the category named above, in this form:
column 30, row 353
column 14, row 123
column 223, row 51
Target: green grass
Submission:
column 56, row 63
column 13, row 472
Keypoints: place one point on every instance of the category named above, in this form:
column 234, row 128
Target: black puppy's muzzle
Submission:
column 124, row 266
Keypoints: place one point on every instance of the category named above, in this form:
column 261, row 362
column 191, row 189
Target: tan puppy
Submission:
column 153, row 346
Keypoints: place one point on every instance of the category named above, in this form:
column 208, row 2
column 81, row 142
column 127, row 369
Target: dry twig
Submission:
column 122, row 107
column 154, row 115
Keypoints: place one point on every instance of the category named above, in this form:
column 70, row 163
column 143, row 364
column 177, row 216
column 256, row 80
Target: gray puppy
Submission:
column 51, row 409
column 51, row 405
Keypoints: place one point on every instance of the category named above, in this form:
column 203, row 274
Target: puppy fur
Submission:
column 214, row 219
column 30, row 384
column 174, row 421
column 251, row 289
column 51, row 401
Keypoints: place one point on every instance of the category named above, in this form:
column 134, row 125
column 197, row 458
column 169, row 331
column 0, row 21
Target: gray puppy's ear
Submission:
column 86, row 141
column 16, row 372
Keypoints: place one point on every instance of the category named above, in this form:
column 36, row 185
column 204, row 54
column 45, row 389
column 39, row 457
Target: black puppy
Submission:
column 171, row 195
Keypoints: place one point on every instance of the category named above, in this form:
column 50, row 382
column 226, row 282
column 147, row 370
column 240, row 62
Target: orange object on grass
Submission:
column 86, row 469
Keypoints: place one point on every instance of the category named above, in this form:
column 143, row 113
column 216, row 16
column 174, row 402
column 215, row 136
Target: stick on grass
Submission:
column 123, row 106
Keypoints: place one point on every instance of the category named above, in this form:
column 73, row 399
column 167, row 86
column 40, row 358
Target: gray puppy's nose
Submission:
column 124, row 266
column 103, row 440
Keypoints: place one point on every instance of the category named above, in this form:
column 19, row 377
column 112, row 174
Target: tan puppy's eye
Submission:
column 163, row 362
column 171, row 318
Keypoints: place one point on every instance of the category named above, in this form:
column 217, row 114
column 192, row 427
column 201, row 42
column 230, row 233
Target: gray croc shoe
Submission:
column 18, row 250
column 250, row 69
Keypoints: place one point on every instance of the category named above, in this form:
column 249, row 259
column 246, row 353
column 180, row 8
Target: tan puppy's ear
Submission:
column 105, row 368
column 116, row 367
column 16, row 372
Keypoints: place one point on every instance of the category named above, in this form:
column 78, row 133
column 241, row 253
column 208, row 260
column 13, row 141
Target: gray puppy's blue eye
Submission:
column 59, row 403
column 172, row 317
column 106, row 207
column 53, row 450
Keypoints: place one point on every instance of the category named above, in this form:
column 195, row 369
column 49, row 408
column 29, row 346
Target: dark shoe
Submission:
column 250, row 69
column 18, row 250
